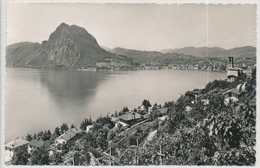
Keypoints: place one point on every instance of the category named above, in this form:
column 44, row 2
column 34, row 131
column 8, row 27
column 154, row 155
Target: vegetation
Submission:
column 21, row 156
column 203, row 134
column 39, row 157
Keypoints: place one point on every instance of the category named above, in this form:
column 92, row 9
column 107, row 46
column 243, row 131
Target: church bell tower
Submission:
column 230, row 62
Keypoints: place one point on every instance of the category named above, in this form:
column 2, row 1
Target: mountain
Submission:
column 138, row 55
column 200, row 51
column 155, row 57
column 239, row 52
column 105, row 48
column 67, row 47
column 21, row 53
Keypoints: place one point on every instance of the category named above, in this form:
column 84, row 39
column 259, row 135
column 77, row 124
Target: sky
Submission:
column 138, row 26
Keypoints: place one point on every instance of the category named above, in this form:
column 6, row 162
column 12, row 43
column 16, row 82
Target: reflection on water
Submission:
column 39, row 99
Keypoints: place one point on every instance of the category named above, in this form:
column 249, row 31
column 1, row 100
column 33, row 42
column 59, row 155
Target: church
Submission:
column 233, row 72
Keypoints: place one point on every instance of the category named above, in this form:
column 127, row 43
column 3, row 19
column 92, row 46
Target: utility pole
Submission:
column 110, row 156
column 73, row 160
column 161, row 154
column 136, row 157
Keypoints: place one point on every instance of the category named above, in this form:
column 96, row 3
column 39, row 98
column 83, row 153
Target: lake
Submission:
column 41, row 99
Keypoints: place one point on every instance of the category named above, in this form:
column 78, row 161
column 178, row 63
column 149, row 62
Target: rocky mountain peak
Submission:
column 73, row 32
column 68, row 46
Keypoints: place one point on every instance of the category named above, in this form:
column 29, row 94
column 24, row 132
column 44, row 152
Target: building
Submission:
column 12, row 146
column 129, row 116
column 68, row 135
column 122, row 123
column 233, row 72
column 35, row 144
column 163, row 111
column 205, row 101
column 188, row 108
column 233, row 95
column 88, row 128
column 196, row 93
column 62, row 140
column 52, row 149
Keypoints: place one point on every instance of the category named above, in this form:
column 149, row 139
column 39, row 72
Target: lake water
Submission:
column 41, row 99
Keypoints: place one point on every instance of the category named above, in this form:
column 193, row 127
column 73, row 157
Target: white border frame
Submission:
column 3, row 46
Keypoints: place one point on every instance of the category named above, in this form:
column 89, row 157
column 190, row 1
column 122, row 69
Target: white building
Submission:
column 88, row 128
column 10, row 148
column 233, row 95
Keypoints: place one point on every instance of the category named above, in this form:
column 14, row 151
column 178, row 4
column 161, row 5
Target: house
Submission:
column 52, row 149
column 231, row 95
column 205, row 101
column 188, row 108
column 88, row 128
column 163, row 111
column 35, row 144
column 114, row 119
column 129, row 116
column 68, row 135
column 150, row 109
column 122, row 123
column 143, row 108
column 196, row 93
column 12, row 146
column 234, row 94
column 161, row 119
column 109, row 115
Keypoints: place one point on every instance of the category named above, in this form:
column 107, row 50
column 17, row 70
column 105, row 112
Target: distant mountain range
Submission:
column 144, row 56
column 239, row 52
column 73, row 47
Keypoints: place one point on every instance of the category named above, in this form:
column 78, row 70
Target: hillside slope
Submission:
column 68, row 46
column 239, row 52
column 138, row 55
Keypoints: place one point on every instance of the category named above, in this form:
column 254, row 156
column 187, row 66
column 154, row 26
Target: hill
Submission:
column 239, row 52
column 105, row 48
column 67, row 47
column 156, row 57
column 138, row 55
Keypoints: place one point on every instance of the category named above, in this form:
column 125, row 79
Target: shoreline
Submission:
column 84, row 70
column 136, row 105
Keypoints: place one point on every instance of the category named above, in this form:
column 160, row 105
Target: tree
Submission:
column 57, row 159
column 146, row 104
column 57, row 131
column 21, row 156
column 46, row 135
column 40, row 157
column 55, row 134
column 85, row 123
column 29, row 137
column 40, row 135
column 64, row 127
column 101, row 141
column 125, row 109
column 72, row 126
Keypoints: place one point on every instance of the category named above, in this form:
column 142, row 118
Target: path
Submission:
column 150, row 137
